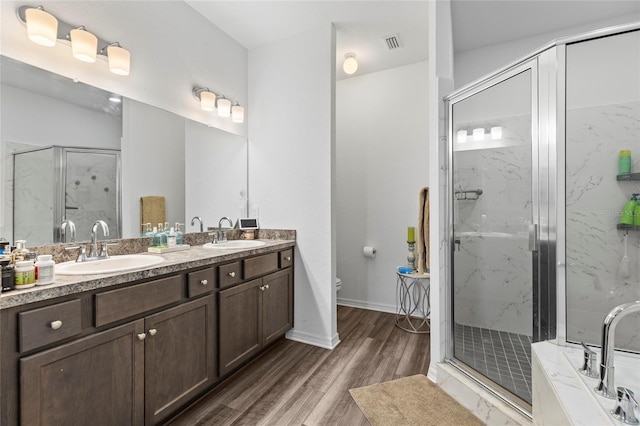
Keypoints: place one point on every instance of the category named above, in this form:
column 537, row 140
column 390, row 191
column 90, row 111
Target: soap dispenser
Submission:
column 178, row 233
column 626, row 218
column 148, row 232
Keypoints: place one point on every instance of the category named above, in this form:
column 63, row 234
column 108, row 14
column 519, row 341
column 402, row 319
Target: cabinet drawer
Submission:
column 230, row 274
column 260, row 265
column 201, row 282
column 286, row 258
column 114, row 305
column 42, row 326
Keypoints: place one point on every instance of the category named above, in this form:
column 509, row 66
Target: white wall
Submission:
column 471, row 65
column 291, row 143
column 172, row 49
column 381, row 164
column 153, row 152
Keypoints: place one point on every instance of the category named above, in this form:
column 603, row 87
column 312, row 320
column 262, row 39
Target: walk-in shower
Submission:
column 534, row 203
column 54, row 184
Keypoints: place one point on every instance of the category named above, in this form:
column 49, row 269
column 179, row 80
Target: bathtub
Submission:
column 562, row 396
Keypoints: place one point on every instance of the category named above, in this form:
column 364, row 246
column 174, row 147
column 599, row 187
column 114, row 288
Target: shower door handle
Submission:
column 533, row 237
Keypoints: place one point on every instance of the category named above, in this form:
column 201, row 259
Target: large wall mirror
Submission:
column 72, row 151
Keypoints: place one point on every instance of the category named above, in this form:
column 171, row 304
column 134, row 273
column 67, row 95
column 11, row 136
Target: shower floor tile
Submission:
column 503, row 357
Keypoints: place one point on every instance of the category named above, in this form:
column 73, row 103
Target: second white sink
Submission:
column 235, row 244
column 127, row 262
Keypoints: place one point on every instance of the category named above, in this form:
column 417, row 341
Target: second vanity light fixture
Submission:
column 209, row 101
column 45, row 30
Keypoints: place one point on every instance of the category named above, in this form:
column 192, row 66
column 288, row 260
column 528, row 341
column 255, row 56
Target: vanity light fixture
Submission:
column 350, row 65
column 45, row 29
column 462, row 136
column 224, row 106
column 478, row 134
column 210, row 101
column 206, row 97
column 42, row 27
column 237, row 113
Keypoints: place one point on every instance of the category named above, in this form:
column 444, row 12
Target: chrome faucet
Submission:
column 606, row 386
column 72, row 230
column 222, row 235
column 199, row 219
column 93, row 252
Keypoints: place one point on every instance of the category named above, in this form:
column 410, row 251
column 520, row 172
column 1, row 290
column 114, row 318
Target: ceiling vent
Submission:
column 392, row 42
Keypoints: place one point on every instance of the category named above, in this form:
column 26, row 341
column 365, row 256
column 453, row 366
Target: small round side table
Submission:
column 412, row 302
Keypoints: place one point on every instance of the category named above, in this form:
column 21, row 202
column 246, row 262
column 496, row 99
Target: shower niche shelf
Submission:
column 628, row 176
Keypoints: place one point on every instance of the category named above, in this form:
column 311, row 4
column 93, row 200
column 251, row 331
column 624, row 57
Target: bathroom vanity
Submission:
column 134, row 348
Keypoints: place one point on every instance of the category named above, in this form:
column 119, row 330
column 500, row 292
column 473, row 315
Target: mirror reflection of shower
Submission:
column 55, row 184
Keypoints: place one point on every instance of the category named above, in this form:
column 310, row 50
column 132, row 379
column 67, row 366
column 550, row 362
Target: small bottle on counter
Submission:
column 171, row 238
column 45, row 270
column 8, row 273
column 20, row 252
column 178, row 234
column 624, row 162
column 25, row 274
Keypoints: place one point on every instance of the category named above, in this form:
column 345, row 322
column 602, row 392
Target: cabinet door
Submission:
column 277, row 305
column 180, row 356
column 240, row 315
column 96, row 380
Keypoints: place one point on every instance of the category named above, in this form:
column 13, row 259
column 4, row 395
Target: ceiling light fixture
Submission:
column 224, row 106
column 237, row 113
column 45, row 29
column 42, row 27
column 350, row 65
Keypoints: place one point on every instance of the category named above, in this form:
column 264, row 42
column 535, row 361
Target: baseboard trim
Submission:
column 313, row 339
column 367, row 305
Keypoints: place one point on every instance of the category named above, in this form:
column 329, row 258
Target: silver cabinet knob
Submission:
column 204, row 282
column 56, row 324
column 288, row 258
column 232, row 274
column 152, row 331
column 266, row 286
column 261, row 288
column 141, row 336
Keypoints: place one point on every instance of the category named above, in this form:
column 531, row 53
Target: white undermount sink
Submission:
column 235, row 244
column 127, row 262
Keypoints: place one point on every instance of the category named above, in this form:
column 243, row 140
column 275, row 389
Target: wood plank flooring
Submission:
column 298, row 384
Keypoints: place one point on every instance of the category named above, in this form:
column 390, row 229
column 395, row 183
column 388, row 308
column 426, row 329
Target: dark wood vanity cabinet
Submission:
column 136, row 354
column 253, row 315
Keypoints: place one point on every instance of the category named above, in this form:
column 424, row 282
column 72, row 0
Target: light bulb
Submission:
column 478, row 134
column 237, row 113
column 207, row 101
column 224, row 107
column 42, row 27
column 462, row 136
column 119, row 60
column 496, row 133
column 350, row 65
column 84, row 45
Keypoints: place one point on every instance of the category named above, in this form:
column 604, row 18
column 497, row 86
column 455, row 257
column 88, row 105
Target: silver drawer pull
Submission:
column 266, row 286
column 56, row 324
column 204, row 282
column 232, row 274
column 288, row 258
column 152, row 331
column 261, row 288
column 141, row 336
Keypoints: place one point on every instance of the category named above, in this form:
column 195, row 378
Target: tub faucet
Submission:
column 606, row 385
column 222, row 235
column 199, row 219
column 72, row 230
column 93, row 252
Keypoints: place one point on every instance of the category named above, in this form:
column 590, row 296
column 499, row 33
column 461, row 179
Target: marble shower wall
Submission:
column 594, row 202
column 492, row 268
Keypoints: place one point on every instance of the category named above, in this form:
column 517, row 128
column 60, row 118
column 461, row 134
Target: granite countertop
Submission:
column 196, row 256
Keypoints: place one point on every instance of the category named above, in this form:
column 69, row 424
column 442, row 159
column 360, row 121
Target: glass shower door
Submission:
column 494, row 232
